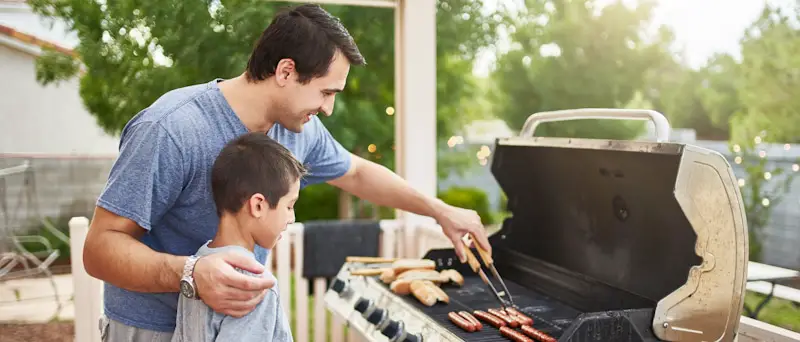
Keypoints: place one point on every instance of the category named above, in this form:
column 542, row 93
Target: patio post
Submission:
column 415, row 104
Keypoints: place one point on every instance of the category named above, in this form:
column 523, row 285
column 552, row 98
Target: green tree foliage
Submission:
column 769, row 78
column 135, row 51
column 573, row 54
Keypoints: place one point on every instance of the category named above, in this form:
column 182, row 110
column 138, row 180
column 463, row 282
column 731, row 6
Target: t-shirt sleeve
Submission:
column 267, row 322
column 327, row 158
column 147, row 177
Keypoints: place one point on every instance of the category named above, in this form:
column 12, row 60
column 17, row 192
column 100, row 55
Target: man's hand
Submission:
column 457, row 222
column 227, row 290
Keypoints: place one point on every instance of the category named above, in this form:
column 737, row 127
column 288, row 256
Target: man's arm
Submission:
column 379, row 185
column 113, row 253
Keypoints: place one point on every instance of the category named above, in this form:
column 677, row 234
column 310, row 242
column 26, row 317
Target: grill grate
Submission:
column 549, row 315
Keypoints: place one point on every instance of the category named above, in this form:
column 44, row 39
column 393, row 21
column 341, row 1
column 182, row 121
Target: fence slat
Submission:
column 284, row 273
column 320, row 314
column 337, row 329
column 88, row 291
column 300, row 289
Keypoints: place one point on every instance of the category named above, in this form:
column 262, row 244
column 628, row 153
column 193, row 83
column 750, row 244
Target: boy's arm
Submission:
column 267, row 322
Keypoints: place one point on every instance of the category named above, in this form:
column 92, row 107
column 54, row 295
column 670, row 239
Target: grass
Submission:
column 778, row 312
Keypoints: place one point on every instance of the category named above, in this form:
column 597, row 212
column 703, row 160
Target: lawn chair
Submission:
column 33, row 262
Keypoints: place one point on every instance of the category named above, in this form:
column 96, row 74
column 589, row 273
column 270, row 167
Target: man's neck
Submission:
column 250, row 101
column 232, row 233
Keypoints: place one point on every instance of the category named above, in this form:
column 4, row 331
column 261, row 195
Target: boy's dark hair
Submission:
column 309, row 36
column 253, row 163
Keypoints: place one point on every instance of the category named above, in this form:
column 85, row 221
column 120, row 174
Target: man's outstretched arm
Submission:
column 377, row 184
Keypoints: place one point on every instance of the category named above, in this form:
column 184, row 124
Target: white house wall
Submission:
column 40, row 120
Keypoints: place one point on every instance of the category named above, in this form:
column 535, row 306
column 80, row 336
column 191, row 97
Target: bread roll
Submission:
column 403, row 265
column 423, row 291
column 453, row 276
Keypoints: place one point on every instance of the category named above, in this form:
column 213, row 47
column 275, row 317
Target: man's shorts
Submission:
column 113, row 331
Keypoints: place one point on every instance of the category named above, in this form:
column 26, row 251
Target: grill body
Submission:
column 607, row 241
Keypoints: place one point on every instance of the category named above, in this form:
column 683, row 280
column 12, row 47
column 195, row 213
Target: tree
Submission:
column 135, row 51
column 769, row 76
column 571, row 54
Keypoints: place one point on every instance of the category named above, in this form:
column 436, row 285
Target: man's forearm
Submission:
column 121, row 260
column 379, row 185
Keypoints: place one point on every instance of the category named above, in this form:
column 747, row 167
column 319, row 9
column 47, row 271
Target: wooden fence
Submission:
column 310, row 321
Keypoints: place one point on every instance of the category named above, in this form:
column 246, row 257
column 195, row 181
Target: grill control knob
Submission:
column 338, row 285
column 362, row 305
column 377, row 316
column 412, row 338
column 393, row 329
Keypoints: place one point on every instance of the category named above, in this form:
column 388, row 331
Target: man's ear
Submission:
column 285, row 71
column 257, row 204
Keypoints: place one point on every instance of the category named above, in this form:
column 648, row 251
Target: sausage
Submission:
column 461, row 322
column 508, row 319
column 489, row 318
column 475, row 322
column 537, row 334
column 528, row 320
column 514, row 335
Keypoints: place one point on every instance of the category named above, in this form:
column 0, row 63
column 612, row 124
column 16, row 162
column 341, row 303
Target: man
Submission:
column 157, row 209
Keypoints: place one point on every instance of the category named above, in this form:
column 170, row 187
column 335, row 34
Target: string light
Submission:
column 741, row 182
column 765, row 202
column 390, row 111
column 737, row 148
column 795, row 167
column 767, row 175
column 372, row 148
column 787, row 147
column 737, row 160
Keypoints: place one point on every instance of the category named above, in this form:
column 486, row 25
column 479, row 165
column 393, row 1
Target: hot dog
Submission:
column 489, row 318
column 461, row 322
column 475, row 322
column 514, row 335
column 502, row 315
column 515, row 312
column 537, row 334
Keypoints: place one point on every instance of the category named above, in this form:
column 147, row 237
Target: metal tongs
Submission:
column 489, row 262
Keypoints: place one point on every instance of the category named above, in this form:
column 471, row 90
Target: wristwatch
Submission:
column 188, row 287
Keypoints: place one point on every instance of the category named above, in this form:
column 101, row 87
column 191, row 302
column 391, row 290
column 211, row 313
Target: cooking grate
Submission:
column 549, row 315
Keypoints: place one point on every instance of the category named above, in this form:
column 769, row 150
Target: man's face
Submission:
column 299, row 102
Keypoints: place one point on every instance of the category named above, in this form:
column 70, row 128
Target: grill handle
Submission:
column 662, row 126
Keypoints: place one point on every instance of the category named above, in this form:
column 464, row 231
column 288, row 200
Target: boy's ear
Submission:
column 257, row 204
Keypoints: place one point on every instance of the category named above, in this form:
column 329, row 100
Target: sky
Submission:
column 702, row 27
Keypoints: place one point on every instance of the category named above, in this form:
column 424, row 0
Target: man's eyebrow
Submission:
column 333, row 90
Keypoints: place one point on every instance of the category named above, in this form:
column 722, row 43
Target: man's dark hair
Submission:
column 309, row 36
column 253, row 163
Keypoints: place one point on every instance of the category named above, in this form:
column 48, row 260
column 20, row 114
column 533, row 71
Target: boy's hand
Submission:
column 227, row 290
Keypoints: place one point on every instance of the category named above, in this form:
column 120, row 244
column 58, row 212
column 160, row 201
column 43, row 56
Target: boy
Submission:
column 255, row 182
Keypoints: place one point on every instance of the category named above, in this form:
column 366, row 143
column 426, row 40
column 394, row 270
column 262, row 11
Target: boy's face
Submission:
column 272, row 222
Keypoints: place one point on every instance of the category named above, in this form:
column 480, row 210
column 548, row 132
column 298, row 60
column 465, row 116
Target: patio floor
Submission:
column 32, row 300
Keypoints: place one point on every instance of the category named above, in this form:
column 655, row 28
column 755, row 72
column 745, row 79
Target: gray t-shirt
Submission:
column 196, row 322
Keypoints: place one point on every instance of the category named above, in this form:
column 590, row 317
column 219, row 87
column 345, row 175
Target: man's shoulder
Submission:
column 183, row 113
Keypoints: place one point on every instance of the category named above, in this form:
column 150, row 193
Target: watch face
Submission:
column 187, row 289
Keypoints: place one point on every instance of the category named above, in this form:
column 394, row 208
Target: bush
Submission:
column 317, row 202
column 469, row 198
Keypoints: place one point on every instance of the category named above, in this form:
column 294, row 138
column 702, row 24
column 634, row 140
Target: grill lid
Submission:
column 625, row 224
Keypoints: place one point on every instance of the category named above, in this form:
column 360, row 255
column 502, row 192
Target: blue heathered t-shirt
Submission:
column 161, row 180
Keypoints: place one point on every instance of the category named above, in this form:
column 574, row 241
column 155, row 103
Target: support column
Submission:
column 415, row 100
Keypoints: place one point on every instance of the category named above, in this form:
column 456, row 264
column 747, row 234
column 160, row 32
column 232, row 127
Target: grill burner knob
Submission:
column 377, row 316
column 362, row 305
column 338, row 285
column 412, row 338
column 392, row 330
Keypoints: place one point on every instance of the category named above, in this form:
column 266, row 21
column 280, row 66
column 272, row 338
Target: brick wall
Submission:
column 61, row 187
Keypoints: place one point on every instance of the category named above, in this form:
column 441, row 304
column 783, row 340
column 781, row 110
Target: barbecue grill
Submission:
column 608, row 241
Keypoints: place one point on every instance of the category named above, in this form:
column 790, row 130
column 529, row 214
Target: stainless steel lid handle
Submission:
column 662, row 126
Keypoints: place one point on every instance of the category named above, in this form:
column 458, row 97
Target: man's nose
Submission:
column 327, row 107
